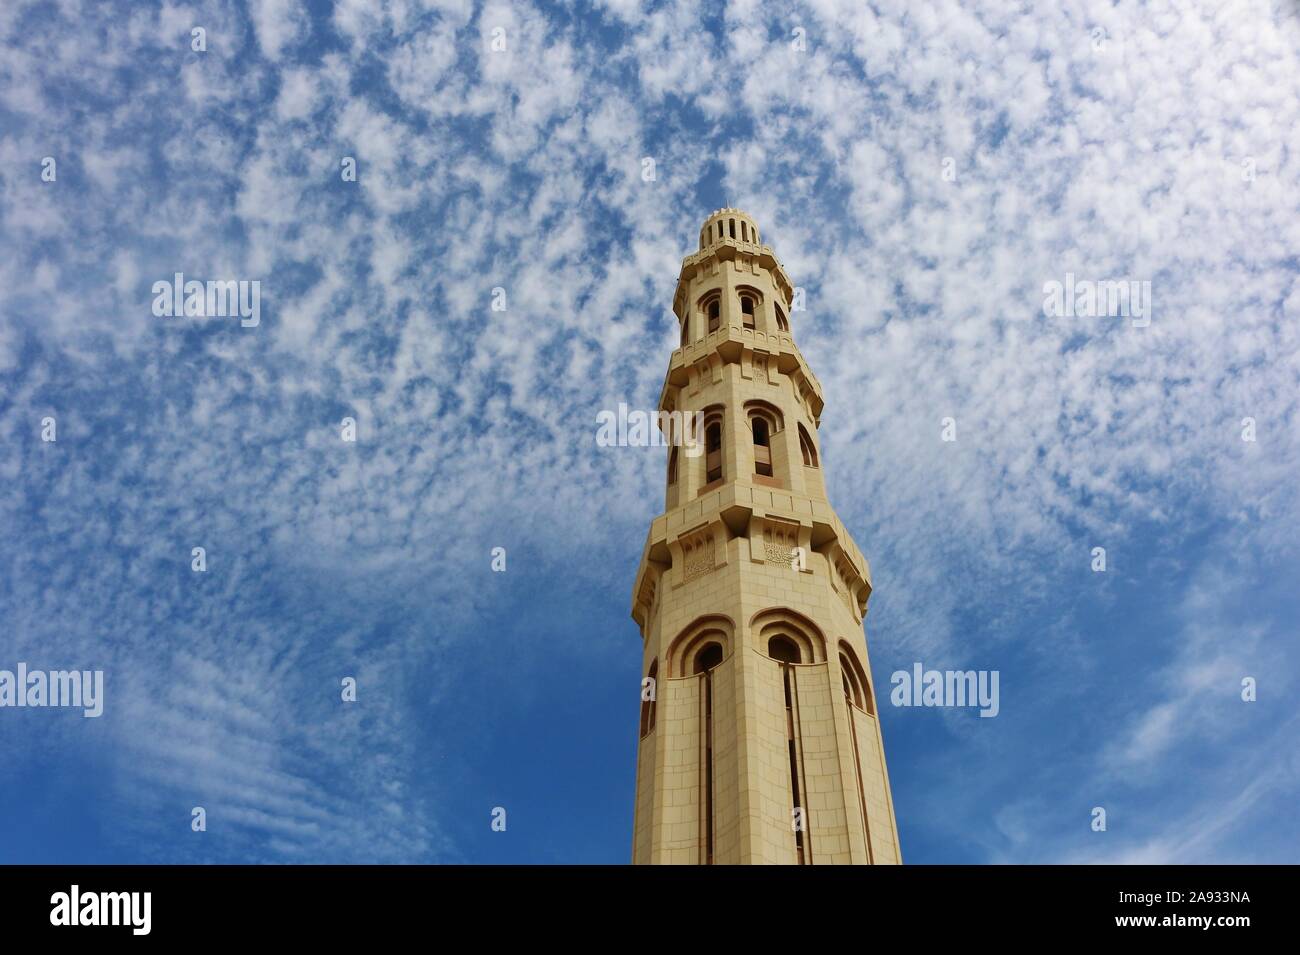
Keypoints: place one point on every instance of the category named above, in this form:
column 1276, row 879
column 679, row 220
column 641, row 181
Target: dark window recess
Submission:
column 713, row 452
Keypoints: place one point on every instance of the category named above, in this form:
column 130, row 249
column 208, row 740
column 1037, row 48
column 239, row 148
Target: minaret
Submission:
column 759, row 741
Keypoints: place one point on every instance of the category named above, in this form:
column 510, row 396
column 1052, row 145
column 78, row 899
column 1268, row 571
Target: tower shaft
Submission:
column 761, row 742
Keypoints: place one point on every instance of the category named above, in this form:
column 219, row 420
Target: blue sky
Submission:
column 1144, row 142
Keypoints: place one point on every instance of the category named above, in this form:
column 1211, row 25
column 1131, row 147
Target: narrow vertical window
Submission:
column 686, row 331
column 854, row 680
column 705, row 661
column 715, row 315
column 807, row 449
column 747, row 310
column 786, row 653
column 672, row 466
column 733, row 228
column 762, row 448
column 781, row 322
column 713, row 452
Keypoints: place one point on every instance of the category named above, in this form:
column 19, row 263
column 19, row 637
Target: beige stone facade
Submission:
column 761, row 743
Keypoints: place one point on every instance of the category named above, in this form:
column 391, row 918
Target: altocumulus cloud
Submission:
column 923, row 171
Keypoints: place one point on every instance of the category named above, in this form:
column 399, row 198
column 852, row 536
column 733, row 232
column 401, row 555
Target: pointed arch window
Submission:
column 856, row 688
column 713, row 451
column 807, row 448
column 781, row 323
column 762, row 446
column 764, row 421
column 751, row 303
column 784, row 649
column 708, row 657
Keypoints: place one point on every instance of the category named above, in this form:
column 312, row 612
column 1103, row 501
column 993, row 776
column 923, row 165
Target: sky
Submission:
column 923, row 170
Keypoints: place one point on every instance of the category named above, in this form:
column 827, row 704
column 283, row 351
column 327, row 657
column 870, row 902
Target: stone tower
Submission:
column 761, row 743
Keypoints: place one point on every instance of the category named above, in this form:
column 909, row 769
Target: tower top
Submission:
column 729, row 223
column 730, row 234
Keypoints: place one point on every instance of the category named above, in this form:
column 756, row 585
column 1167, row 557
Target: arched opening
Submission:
column 762, row 446
column 715, row 315
column 733, row 227
column 686, row 331
column 857, row 694
column 672, row 466
column 852, row 692
column 857, row 690
column 649, row 690
column 713, row 452
column 807, row 448
column 781, row 322
column 783, row 623
column 783, row 648
column 706, row 660
column 708, row 657
column 747, row 310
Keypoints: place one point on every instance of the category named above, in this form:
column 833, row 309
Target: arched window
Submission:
column 783, row 648
column 857, row 690
column 764, row 421
column 672, row 465
column 807, row 448
column 713, row 451
column 751, row 302
column 780, row 623
column 781, row 322
column 733, row 227
column 696, row 639
column 762, row 448
column 686, row 331
column 697, row 651
column 710, row 309
column 648, row 705
column 708, row 657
